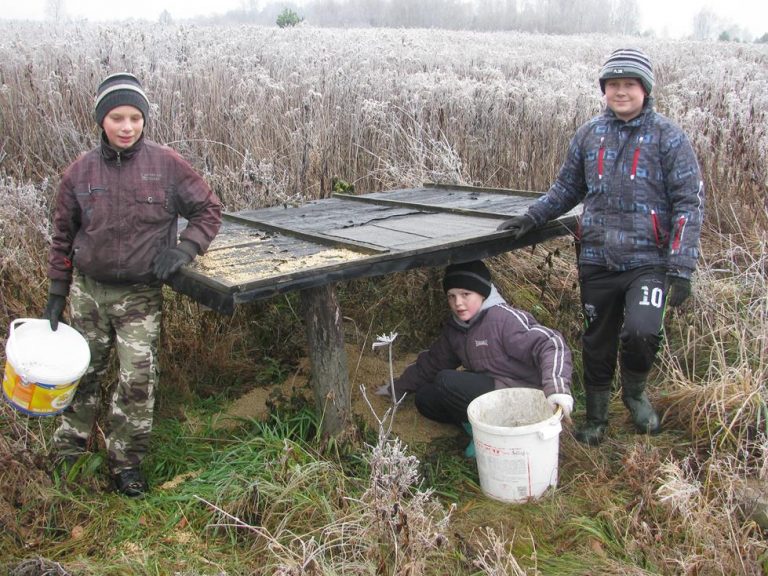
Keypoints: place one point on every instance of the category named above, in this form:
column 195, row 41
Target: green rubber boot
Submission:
column 469, row 451
column 596, row 422
column 636, row 400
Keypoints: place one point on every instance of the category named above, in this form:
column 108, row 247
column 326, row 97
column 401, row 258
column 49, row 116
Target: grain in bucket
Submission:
column 517, row 440
column 43, row 367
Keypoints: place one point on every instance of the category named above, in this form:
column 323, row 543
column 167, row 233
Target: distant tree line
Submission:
column 709, row 26
column 538, row 16
column 542, row 16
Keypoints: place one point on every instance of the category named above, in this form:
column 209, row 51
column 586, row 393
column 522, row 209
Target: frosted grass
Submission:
column 273, row 115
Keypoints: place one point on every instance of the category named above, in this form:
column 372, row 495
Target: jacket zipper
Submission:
column 635, row 159
column 119, row 164
column 600, row 158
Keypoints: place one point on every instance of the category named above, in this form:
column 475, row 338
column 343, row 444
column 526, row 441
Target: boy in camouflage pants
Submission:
column 115, row 240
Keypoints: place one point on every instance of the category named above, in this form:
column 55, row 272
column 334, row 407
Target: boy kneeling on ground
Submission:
column 497, row 345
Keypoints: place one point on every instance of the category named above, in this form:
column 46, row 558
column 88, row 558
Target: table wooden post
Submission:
column 325, row 340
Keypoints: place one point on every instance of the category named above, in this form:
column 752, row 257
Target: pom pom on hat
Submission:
column 121, row 89
column 473, row 276
column 628, row 63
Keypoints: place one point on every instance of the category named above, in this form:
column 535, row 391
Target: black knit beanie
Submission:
column 473, row 276
column 628, row 63
column 121, row 89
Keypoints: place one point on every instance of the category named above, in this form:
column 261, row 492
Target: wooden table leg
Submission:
column 330, row 376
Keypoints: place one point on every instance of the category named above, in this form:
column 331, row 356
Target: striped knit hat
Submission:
column 121, row 89
column 628, row 63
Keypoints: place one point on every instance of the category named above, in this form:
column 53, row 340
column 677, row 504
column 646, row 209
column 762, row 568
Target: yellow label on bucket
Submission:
column 34, row 399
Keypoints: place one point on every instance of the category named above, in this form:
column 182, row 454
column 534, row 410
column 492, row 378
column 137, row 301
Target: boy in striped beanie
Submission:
column 115, row 242
column 628, row 63
column 120, row 89
column 636, row 174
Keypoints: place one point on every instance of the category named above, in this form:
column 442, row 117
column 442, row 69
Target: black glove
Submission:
column 54, row 309
column 518, row 225
column 678, row 291
column 168, row 262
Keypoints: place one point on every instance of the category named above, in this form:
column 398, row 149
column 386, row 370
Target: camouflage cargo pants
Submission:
column 127, row 317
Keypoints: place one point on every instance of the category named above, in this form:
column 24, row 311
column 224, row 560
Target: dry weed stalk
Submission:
column 38, row 567
column 24, row 237
column 706, row 511
column 717, row 367
column 380, row 108
column 19, row 432
column 408, row 523
column 496, row 559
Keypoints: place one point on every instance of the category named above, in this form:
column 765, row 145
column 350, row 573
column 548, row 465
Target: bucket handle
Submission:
column 9, row 342
column 22, row 320
column 554, row 427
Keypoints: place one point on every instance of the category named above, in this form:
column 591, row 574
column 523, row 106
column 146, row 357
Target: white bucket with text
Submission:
column 517, row 443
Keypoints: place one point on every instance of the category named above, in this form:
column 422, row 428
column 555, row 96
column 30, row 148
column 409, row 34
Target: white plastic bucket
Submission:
column 517, row 439
column 43, row 367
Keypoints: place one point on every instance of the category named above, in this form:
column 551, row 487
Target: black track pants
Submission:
column 623, row 315
column 447, row 398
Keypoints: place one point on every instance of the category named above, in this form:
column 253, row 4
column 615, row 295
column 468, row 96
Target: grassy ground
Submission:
column 270, row 497
column 251, row 500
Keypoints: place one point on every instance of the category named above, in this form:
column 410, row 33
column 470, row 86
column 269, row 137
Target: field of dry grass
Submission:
column 273, row 116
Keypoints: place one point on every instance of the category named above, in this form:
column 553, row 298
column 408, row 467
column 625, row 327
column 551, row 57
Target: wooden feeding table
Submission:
column 261, row 253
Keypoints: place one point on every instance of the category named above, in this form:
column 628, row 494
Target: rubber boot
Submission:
column 469, row 451
column 593, row 430
column 636, row 400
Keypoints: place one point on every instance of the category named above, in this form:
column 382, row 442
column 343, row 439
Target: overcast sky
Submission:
column 671, row 18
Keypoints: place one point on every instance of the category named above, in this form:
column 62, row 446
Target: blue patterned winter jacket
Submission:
column 642, row 192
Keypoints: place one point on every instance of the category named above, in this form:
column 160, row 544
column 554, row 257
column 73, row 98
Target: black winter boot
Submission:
column 636, row 400
column 596, row 422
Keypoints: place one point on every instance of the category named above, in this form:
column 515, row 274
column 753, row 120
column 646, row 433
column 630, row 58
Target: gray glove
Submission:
column 678, row 291
column 168, row 262
column 54, row 308
column 518, row 225
column 384, row 390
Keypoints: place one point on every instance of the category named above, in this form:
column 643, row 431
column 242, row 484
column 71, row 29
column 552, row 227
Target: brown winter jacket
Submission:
column 116, row 211
column 502, row 342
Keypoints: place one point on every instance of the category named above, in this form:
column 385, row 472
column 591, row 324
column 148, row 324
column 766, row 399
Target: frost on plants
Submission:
column 679, row 488
column 387, row 340
column 407, row 521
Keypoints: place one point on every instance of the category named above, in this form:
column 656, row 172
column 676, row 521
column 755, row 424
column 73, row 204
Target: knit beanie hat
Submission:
column 473, row 276
column 121, row 89
column 628, row 63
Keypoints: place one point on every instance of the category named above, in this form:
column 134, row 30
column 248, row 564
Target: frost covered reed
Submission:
column 272, row 116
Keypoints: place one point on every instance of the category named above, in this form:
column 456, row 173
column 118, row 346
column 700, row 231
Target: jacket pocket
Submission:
column 152, row 205
column 659, row 236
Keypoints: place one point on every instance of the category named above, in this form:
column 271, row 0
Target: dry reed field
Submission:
column 273, row 117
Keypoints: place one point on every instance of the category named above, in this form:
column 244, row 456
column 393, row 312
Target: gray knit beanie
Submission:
column 121, row 89
column 628, row 63
column 473, row 276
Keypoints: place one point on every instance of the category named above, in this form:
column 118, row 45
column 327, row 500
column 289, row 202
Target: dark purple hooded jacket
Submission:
column 505, row 343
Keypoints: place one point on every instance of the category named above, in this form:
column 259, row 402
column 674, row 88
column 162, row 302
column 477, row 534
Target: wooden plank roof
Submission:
column 260, row 253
